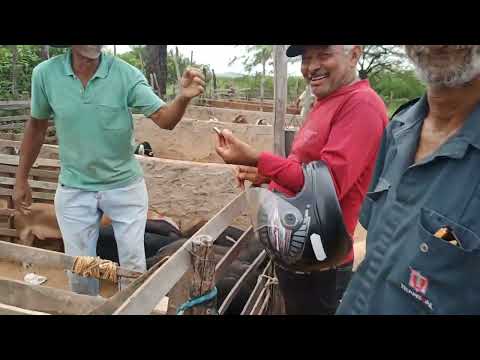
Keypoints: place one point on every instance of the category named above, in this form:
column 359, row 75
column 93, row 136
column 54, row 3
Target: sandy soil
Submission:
column 56, row 278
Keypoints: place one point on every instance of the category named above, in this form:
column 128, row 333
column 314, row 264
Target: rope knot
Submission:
column 270, row 280
column 89, row 266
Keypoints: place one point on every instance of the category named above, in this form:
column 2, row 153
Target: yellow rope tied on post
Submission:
column 89, row 266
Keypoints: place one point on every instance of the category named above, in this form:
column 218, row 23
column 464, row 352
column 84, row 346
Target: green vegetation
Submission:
column 394, row 84
column 15, row 74
column 397, row 88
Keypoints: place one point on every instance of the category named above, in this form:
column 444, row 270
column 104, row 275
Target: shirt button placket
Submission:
column 84, row 96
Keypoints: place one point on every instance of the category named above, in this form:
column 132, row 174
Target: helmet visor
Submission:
column 274, row 220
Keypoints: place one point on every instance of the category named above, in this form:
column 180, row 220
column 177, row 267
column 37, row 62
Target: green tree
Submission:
column 16, row 65
column 133, row 59
column 156, row 63
column 13, row 69
column 139, row 53
column 397, row 87
column 138, row 56
column 378, row 58
column 256, row 55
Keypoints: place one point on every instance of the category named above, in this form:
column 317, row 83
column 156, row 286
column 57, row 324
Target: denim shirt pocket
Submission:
column 434, row 276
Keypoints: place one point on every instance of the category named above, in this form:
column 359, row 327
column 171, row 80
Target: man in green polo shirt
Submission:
column 89, row 94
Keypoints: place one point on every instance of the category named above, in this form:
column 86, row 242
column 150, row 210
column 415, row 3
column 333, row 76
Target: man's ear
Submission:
column 355, row 54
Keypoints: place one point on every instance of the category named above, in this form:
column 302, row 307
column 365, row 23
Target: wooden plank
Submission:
column 262, row 280
column 11, row 136
column 280, row 98
column 162, row 307
column 34, row 184
column 113, row 303
column 49, row 174
column 229, row 104
column 8, row 232
column 14, row 102
column 14, row 159
column 236, row 288
column 7, row 212
column 14, row 118
column 14, row 107
column 10, row 143
column 41, row 257
column 264, row 305
column 232, row 254
column 12, row 127
column 11, row 219
column 35, row 195
column 45, row 299
column 13, row 310
column 258, row 302
column 149, row 294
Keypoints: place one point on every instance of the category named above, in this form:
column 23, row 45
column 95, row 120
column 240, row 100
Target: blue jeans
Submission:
column 78, row 215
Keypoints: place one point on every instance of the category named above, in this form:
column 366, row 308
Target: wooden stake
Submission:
column 203, row 280
column 177, row 69
column 206, row 82
column 214, row 81
column 280, row 98
column 280, row 91
column 152, row 82
column 156, row 83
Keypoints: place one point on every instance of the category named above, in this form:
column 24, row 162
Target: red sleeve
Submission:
column 353, row 143
column 285, row 172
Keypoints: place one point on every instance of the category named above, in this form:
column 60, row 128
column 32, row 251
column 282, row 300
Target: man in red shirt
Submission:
column 343, row 129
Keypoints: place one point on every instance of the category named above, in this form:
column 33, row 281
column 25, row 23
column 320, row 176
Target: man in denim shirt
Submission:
column 423, row 244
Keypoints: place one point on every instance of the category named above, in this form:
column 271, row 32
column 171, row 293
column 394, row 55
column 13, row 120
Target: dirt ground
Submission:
column 168, row 173
column 56, row 278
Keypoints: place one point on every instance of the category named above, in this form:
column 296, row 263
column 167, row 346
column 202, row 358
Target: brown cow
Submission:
column 41, row 224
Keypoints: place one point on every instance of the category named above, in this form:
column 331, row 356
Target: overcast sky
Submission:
column 218, row 56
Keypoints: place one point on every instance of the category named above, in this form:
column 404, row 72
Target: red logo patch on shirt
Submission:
column 418, row 282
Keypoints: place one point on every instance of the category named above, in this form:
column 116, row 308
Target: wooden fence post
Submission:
column 280, row 98
column 280, row 92
column 203, row 280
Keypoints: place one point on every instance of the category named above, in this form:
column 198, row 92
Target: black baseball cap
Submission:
column 295, row 50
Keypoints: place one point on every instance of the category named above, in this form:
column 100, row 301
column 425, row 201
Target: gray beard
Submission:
column 451, row 76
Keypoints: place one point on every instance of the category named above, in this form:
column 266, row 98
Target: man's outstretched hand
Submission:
column 235, row 151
